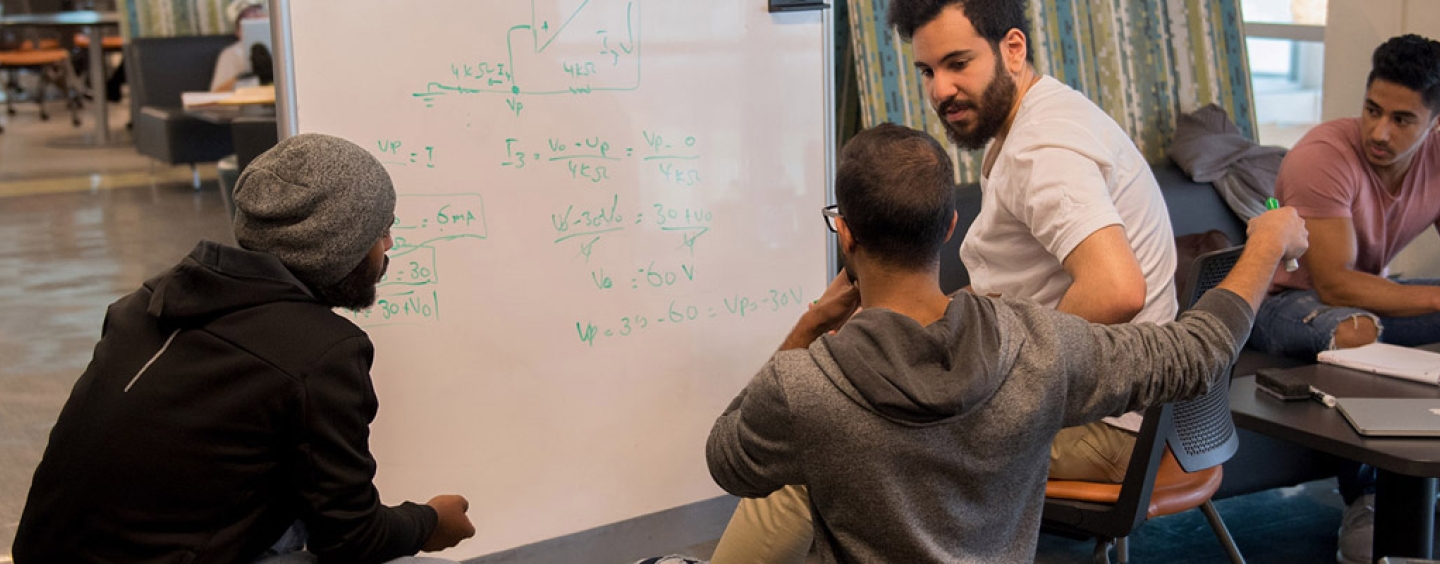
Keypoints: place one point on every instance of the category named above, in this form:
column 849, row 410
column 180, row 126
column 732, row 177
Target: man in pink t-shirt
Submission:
column 1366, row 187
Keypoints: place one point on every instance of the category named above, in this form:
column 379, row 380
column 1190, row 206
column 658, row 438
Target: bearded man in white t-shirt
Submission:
column 1070, row 213
column 1071, row 217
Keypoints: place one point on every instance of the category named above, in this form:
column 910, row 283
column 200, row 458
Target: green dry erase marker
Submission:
column 1291, row 265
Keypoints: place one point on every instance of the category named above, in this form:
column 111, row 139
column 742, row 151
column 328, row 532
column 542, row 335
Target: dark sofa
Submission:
column 159, row 69
column 1262, row 462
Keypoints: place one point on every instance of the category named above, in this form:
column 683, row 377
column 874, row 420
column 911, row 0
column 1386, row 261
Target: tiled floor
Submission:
column 84, row 226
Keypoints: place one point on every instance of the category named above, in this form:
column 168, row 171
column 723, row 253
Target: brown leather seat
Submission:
column 1175, row 490
column 32, row 57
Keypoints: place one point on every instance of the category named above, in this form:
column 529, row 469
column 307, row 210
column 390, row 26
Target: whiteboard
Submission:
column 608, row 218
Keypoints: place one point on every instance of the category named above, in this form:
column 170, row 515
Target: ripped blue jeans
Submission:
column 1295, row 323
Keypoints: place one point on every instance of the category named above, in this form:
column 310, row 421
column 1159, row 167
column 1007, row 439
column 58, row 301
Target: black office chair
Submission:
column 1175, row 465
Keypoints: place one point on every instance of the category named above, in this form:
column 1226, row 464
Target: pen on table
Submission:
column 1291, row 265
column 1325, row 399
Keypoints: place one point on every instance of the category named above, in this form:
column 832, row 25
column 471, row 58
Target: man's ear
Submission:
column 954, row 219
column 847, row 239
column 1013, row 48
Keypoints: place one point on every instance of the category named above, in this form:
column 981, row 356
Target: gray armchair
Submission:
column 159, row 69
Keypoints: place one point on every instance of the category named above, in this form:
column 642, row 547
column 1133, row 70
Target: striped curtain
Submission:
column 170, row 18
column 1142, row 61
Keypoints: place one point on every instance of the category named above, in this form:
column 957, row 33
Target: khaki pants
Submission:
column 1096, row 452
column 777, row 529
column 773, row 530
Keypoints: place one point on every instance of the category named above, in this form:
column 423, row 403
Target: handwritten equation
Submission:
column 395, row 152
column 648, row 276
column 679, row 313
column 589, row 158
column 410, row 290
column 587, row 224
column 601, row 52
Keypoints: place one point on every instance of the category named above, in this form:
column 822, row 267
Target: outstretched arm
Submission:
column 1181, row 359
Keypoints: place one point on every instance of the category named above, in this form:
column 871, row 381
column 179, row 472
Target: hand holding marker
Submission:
column 1291, row 265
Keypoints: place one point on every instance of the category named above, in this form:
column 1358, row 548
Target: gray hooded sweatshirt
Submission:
column 931, row 443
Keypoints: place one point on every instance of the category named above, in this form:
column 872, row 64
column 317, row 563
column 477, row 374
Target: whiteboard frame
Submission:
column 827, row 41
column 286, row 112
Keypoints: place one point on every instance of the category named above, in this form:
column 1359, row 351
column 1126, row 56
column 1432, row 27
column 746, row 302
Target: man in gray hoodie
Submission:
column 922, row 424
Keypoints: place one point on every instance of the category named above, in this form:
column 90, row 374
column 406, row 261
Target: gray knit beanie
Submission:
column 316, row 202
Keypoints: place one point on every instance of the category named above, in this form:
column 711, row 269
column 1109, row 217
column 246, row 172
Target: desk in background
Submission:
column 93, row 24
column 1408, row 467
column 224, row 115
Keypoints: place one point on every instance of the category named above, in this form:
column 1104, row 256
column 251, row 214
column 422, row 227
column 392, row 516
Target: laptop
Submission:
column 1392, row 417
column 255, row 30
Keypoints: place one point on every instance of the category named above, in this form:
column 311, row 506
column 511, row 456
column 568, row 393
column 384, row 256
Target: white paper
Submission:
column 1389, row 360
column 193, row 99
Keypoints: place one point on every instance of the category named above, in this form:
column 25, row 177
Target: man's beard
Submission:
column 356, row 291
column 990, row 112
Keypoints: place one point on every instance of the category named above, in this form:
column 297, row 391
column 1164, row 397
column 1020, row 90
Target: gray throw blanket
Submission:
column 1209, row 148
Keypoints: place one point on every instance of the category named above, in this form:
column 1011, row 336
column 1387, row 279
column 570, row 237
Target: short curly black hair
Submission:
column 1410, row 61
column 896, row 190
column 992, row 18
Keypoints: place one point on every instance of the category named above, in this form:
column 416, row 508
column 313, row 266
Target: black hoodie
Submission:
column 223, row 403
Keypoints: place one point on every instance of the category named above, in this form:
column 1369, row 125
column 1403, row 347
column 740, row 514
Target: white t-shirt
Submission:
column 1067, row 170
column 233, row 62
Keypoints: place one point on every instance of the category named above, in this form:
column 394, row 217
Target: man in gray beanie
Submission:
column 227, row 404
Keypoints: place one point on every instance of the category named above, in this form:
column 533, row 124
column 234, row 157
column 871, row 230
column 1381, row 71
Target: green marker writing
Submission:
column 1291, row 265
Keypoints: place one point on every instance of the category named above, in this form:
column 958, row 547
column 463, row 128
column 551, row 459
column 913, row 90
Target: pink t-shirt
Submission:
column 1326, row 176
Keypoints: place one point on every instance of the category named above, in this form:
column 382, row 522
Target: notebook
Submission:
column 1389, row 360
column 1392, row 417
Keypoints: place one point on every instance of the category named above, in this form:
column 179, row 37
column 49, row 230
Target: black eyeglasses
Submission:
column 831, row 214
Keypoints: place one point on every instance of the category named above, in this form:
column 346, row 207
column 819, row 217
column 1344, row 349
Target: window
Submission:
column 1285, row 43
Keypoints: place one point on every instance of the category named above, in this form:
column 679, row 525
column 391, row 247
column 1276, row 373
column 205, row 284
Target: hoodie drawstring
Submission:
column 152, row 359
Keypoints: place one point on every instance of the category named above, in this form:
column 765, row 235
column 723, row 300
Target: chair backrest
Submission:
column 1208, row 270
column 1203, row 434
